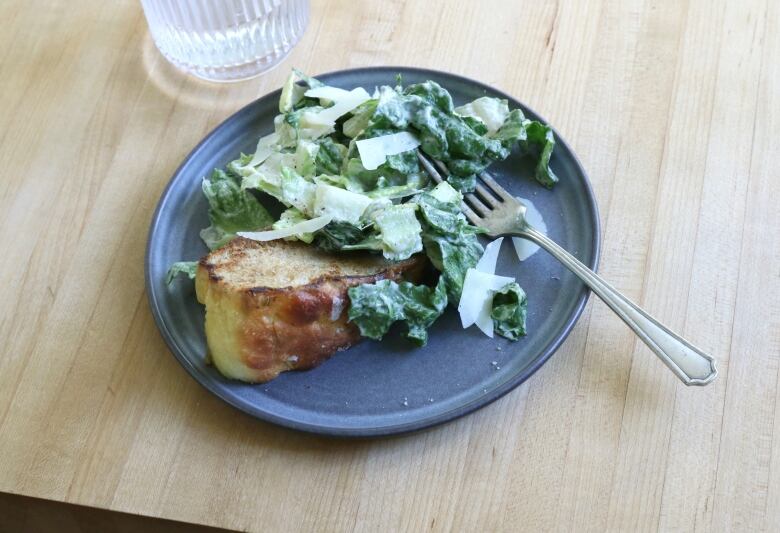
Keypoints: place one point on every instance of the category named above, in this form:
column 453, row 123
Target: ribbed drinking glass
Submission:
column 226, row 40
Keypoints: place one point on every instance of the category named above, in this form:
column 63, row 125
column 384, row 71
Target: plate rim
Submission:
column 395, row 429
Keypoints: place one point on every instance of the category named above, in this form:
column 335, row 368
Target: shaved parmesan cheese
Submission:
column 476, row 300
column 334, row 94
column 525, row 248
column 327, row 117
column 374, row 152
column 491, row 111
column 307, row 226
column 264, row 149
column 479, row 286
column 487, row 263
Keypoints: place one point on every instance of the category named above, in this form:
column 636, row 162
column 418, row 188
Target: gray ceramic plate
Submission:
column 380, row 388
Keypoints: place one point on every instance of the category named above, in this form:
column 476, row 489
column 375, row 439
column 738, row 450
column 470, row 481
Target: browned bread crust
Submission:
column 278, row 305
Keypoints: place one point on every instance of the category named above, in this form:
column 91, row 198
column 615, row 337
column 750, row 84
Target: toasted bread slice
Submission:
column 278, row 305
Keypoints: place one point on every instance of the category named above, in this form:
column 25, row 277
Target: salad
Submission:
column 344, row 165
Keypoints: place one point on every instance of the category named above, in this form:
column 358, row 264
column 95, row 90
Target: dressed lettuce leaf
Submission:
column 330, row 156
column 290, row 218
column 187, row 268
column 510, row 308
column 541, row 141
column 231, row 209
column 399, row 231
column 450, row 242
column 340, row 235
column 377, row 306
column 492, row 112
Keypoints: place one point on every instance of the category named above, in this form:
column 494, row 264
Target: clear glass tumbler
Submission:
column 226, row 40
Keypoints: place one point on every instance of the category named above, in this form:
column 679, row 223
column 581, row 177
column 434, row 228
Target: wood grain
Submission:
column 674, row 109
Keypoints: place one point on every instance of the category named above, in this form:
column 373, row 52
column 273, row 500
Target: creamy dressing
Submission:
column 523, row 247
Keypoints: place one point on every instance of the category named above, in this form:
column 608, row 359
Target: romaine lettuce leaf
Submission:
column 292, row 93
column 181, row 267
column 305, row 157
column 449, row 241
column 336, row 180
column 286, row 129
column 443, row 217
column 399, row 231
column 313, row 83
column 393, row 191
column 339, row 204
column 510, row 307
column 541, row 141
column 360, row 119
column 427, row 108
column 444, row 192
column 296, row 191
column 231, row 209
column 310, row 125
column 399, row 169
column 375, row 307
column 513, row 129
column 492, row 112
column 340, row 235
column 278, row 177
column 330, row 156
column 452, row 255
column 433, row 93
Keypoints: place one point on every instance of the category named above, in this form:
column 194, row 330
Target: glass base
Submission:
column 232, row 73
column 226, row 40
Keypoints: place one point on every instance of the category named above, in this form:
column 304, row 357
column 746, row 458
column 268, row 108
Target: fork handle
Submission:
column 689, row 363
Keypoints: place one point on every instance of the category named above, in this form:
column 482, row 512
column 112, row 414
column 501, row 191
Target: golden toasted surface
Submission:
column 245, row 264
column 276, row 306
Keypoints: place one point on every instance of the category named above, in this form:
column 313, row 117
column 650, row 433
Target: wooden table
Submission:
column 674, row 109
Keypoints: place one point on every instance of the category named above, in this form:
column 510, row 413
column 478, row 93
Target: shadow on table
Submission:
column 34, row 515
column 194, row 92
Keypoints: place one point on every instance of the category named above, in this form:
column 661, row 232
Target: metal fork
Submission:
column 497, row 211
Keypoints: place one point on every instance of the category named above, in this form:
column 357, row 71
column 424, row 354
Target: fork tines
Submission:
column 486, row 198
